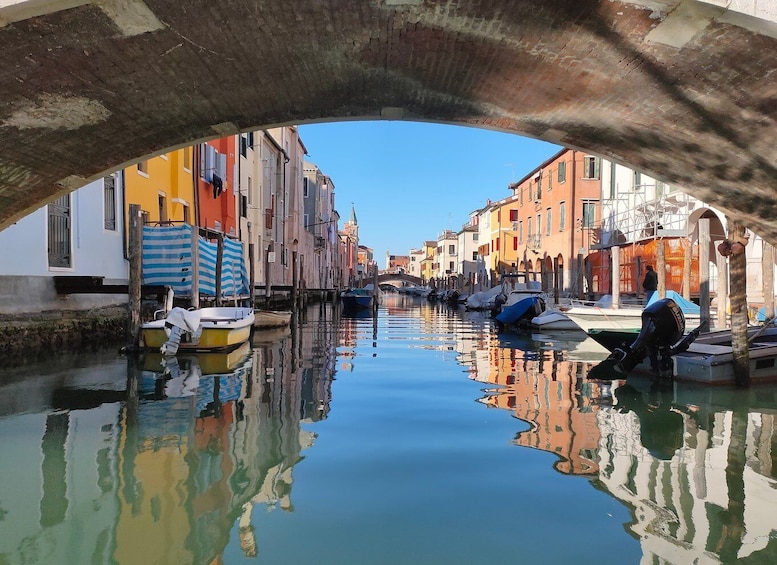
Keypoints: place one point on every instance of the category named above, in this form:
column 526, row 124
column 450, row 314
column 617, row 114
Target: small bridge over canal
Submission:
column 399, row 279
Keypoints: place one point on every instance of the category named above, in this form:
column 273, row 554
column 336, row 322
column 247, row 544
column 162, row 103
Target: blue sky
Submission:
column 410, row 181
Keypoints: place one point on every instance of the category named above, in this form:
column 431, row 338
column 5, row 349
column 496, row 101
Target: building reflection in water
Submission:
column 160, row 470
column 695, row 464
column 138, row 461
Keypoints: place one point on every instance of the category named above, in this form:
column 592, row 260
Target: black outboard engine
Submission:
column 663, row 326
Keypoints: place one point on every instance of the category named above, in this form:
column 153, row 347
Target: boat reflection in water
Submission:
column 696, row 465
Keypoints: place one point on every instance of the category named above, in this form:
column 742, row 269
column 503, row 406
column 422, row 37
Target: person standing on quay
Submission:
column 650, row 284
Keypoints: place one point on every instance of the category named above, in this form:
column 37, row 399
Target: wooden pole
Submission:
column 661, row 267
column 556, row 282
column 722, row 293
column 704, row 268
column 615, row 258
column 738, row 274
column 687, row 266
column 267, row 286
column 135, row 253
column 302, row 286
column 219, row 266
column 251, row 275
column 195, row 267
column 294, row 280
column 767, row 266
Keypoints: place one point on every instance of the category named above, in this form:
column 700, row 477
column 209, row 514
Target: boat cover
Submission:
column 686, row 306
column 513, row 313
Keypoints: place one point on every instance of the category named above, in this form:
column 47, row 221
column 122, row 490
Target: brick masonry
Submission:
column 89, row 89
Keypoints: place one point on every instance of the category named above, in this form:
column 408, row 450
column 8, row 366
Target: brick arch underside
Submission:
column 93, row 88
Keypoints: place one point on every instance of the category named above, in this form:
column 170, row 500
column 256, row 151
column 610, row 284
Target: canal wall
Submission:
column 35, row 319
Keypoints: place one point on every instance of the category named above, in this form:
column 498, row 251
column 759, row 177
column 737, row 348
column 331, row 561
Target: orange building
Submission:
column 544, row 228
column 216, row 188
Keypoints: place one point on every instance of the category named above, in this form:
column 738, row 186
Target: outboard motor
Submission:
column 178, row 323
column 663, row 326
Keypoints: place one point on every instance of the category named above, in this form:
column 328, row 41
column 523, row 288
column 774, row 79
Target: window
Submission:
column 497, row 245
column 589, row 214
column 562, row 216
column 515, row 244
column 162, row 199
column 513, row 215
column 550, row 180
column 637, row 180
column 109, row 203
column 474, row 255
column 187, row 158
column 612, row 180
column 590, row 167
column 305, row 188
column 243, row 206
column 561, row 175
column 520, row 231
column 306, row 220
column 539, row 224
column 186, row 214
column 143, row 167
column 451, row 267
column 474, row 237
column 528, row 227
column 59, row 235
column 451, row 250
column 548, row 219
column 538, row 193
column 660, row 189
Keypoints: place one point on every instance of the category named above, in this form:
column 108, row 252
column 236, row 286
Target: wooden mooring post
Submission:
column 767, row 266
column 135, row 253
column 661, row 267
column 704, row 268
column 615, row 258
column 738, row 273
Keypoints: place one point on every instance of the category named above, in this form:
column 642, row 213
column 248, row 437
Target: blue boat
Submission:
column 520, row 314
column 357, row 298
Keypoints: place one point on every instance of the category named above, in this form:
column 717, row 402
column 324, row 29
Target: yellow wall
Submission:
column 165, row 175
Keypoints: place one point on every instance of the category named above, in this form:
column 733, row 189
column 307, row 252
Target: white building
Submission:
column 79, row 234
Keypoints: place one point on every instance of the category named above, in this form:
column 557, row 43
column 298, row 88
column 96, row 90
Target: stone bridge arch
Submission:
column 399, row 279
column 682, row 90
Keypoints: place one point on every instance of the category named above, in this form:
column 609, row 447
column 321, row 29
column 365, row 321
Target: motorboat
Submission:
column 553, row 319
column 710, row 358
column 216, row 328
column 602, row 315
column 357, row 298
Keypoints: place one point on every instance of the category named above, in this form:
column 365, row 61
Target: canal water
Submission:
column 415, row 436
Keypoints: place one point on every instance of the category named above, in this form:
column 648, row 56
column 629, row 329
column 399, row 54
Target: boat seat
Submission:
column 709, row 349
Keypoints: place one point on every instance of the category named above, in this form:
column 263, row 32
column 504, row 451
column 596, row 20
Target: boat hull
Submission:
column 271, row 318
column 357, row 301
column 710, row 358
column 222, row 329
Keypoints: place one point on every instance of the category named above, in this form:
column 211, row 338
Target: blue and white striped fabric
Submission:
column 167, row 257
column 167, row 261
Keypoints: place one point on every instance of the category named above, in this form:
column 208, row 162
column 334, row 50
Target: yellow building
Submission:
column 163, row 186
column 427, row 263
column 504, row 236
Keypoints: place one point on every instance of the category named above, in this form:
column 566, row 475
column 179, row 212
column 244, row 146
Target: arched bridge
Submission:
column 681, row 89
column 399, row 279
